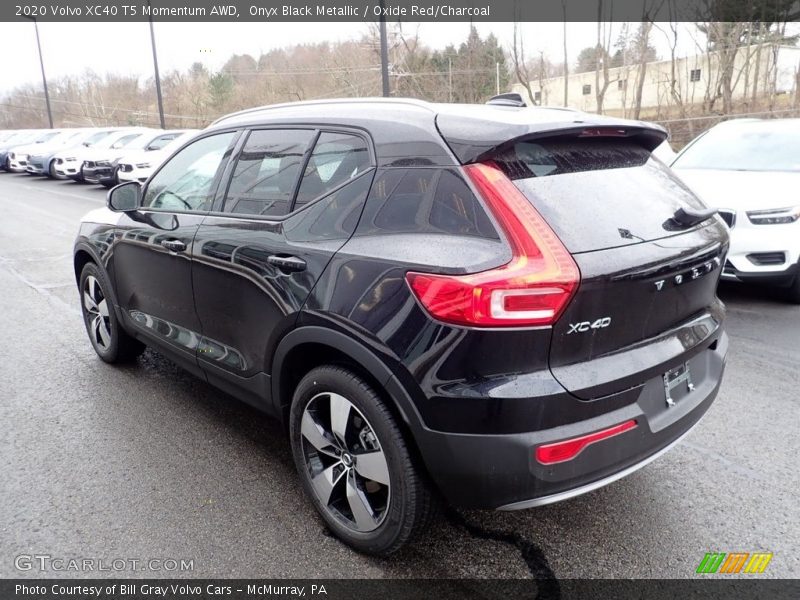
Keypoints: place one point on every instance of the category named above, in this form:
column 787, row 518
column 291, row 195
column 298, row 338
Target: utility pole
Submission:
column 384, row 54
column 158, row 77
column 44, row 78
column 497, row 77
column 450, row 77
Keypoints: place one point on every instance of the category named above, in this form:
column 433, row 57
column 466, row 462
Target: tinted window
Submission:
column 595, row 193
column 425, row 201
column 266, row 172
column 186, row 181
column 333, row 217
column 336, row 159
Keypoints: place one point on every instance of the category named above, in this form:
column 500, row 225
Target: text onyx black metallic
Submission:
column 474, row 302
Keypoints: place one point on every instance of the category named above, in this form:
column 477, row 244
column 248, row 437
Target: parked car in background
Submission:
column 664, row 152
column 750, row 170
column 426, row 295
column 43, row 161
column 101, row 166
column 68, row 163
column 17, row 154
column 139, row 165
column 15, row 138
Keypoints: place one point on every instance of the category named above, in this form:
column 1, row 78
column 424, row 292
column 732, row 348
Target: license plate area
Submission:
column 677, row 383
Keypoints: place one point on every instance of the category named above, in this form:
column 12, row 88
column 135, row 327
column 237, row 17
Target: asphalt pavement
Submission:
column 147, row 461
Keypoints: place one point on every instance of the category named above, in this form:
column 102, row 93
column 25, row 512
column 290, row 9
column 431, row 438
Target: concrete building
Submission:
column 696, row 80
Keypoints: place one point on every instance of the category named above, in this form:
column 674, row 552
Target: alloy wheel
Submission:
column 345, row 462
column 96, row 312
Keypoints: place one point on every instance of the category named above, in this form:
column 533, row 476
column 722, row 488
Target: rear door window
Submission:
column 597, row 194
column 267, row 171
column 338, row 158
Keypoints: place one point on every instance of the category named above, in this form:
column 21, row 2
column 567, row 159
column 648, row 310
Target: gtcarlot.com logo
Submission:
column 46, row 562
column 734, row 562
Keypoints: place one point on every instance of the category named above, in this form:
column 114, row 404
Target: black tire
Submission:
column 406, row 506
column 111, row 342
column 52, row 170
column 793, row 293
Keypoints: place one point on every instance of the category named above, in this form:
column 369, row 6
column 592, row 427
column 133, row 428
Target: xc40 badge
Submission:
column 585, row 326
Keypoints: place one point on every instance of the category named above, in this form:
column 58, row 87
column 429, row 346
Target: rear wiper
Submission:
column 687, row 217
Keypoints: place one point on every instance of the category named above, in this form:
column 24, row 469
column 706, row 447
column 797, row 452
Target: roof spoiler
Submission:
column 475, row 140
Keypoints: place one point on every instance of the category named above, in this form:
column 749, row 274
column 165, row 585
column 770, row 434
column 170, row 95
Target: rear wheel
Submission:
column 108, row 339
column 354, row 463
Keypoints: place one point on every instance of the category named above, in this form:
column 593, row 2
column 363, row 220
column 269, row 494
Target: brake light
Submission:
column 532, row 289
column 550, row 454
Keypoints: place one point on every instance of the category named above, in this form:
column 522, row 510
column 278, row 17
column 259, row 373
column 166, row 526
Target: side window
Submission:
column 336, row 159
column 185, row 182
column 266, row 172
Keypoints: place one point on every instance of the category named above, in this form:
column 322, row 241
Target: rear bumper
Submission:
column 501, row 471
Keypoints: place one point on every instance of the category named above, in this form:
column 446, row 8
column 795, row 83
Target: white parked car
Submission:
column 664, row 152
column 17, row 158
column 749, row 169
column 68, row 163
column 138, row 166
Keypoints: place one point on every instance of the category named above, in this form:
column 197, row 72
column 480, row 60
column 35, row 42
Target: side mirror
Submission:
column 125, row 197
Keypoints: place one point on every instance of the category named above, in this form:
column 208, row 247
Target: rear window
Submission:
column 597, row 193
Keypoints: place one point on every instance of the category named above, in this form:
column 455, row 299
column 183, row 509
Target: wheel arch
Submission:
column 307, row 347
column 82, row 255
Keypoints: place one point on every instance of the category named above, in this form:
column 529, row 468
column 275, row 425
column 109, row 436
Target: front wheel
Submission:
column 354, row 463
column 109, row 340
column 793, row 293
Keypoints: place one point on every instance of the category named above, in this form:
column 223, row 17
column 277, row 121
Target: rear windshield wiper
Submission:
column 687, row 217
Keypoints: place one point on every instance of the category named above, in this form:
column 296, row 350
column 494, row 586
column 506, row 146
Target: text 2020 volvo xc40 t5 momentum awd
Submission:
column 504, row 306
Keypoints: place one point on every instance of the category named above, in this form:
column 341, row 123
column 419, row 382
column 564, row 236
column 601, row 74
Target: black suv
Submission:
column 505, row 306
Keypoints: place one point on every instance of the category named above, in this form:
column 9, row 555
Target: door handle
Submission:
column 174, row 245
column 287, row 263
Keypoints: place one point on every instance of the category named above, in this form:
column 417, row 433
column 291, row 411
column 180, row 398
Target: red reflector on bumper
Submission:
column 549, row 454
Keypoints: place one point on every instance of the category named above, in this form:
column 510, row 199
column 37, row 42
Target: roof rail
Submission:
column 391, row 100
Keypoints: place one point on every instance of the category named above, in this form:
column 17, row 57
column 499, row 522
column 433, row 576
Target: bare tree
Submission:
column 602, row 54
column 521, row 64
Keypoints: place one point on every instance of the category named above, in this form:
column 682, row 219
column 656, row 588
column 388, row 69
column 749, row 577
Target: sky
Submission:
column 124, row 48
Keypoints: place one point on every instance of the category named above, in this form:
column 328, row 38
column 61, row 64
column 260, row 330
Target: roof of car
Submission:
column 471, row 131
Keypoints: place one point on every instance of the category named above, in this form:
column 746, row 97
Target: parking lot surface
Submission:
column 147, row 461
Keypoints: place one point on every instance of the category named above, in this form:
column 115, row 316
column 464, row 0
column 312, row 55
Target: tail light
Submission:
column 531, row 290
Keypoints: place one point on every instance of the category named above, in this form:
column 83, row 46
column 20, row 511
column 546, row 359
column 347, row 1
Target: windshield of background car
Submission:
column 124, row 141
column 97, row 137
column 751, row 147
column 46, row 137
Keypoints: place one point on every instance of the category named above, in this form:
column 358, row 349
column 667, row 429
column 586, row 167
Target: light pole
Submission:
column 155, row 69
column 44, row 78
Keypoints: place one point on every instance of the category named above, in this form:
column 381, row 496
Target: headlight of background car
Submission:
column 143, row 166
column 775, row 216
